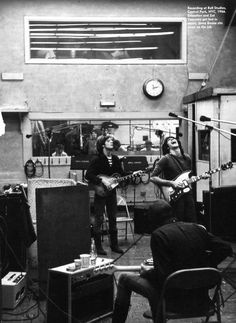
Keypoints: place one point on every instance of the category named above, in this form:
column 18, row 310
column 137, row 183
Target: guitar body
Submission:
column 111, row 182
column 172, row 195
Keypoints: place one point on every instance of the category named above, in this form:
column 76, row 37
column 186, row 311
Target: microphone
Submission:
column 203, row 118
column 159, row 132
column 171, row 114
column 28, row 136
column 49, row 133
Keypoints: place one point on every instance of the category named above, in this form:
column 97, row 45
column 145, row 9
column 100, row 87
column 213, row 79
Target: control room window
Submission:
column 78, row 138
column 103, row 40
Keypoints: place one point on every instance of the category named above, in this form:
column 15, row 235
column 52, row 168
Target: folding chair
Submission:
column 126, row 218
column 191, row 293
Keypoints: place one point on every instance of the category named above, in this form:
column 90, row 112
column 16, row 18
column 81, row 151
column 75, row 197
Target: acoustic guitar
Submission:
column 172, row 195
column 111, row 182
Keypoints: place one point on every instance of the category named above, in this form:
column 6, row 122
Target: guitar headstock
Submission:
column 228, row 165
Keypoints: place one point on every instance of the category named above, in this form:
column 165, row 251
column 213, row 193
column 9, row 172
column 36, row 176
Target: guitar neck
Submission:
column 126, row 268
column 199, row 177
column 120, row 179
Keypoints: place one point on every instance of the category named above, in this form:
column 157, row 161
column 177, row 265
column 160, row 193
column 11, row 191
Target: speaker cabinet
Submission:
column 0, row 289
column 84, row 301
column 221, row 219
column 134, row 163
column 141, row 224
column 63, row 226
column 16, row 232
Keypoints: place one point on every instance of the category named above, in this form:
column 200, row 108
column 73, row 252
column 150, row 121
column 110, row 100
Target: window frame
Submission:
column 183, row 41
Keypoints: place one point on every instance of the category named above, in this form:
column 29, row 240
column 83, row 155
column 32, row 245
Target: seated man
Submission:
column 59, row 151
column 175, row 245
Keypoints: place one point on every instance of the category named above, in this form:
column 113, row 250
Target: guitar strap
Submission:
column 176, row 161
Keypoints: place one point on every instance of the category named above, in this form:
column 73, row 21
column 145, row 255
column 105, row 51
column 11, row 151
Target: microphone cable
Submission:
column 218, row 52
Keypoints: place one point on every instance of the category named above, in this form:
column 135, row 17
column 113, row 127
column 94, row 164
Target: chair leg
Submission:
column 132, row 230
column 164, row 312
column 218, row 313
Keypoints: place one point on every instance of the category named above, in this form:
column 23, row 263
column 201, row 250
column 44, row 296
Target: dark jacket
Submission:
column 182, row 245
column 100, row 166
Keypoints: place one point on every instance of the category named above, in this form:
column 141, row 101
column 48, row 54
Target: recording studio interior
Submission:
column 118, row 161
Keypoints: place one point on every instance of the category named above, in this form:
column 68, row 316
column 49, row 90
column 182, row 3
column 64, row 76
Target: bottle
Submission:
column 93, row 253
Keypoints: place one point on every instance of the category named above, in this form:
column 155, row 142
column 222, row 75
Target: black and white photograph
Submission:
column 118, row 161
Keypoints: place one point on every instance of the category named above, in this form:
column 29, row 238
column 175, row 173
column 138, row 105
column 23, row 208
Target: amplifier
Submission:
column 103, row 266
column 80, row 162
column 13, row 289
column 83, row 295
column 134, row 163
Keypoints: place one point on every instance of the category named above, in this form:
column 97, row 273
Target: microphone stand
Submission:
column 160, row 134
column 210, row 183
column 49, row 134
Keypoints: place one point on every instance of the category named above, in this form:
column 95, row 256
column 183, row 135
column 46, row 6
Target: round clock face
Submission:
column 153, row 88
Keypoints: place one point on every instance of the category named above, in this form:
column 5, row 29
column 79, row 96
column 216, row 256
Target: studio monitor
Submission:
column 220, row 211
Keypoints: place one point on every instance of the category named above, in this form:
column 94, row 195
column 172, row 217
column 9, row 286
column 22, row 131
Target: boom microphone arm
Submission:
column 202, row 124
column 204, row 118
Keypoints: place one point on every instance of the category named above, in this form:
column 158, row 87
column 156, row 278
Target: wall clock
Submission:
column 153, row 88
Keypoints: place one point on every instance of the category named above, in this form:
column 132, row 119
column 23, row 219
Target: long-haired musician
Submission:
column 106, row 164
column 173, row 163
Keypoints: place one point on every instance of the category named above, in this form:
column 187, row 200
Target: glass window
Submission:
column 95, row 40
column 75, row 138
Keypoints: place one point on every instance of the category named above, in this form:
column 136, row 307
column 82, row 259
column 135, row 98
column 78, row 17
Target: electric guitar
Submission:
column 111, row 182
column 173, row 194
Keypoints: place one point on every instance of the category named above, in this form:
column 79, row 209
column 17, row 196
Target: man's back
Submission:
column 182, row 245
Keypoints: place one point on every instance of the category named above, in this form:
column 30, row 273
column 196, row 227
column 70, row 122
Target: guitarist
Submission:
column 106, row 163
column 173, row 163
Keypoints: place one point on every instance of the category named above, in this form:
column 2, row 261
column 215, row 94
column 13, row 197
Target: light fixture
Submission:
column 107, row 104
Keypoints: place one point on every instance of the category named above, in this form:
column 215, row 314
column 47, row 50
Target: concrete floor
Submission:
column 134, row 256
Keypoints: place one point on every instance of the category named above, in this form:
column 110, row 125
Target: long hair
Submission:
column 166, row 148
column 101, row 141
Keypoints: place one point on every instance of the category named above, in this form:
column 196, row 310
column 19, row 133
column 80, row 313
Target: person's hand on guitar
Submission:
column 146, row 267
column 176, row 185
column 106, row 181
